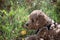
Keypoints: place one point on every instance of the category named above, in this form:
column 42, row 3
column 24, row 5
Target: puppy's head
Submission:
column 37, row 19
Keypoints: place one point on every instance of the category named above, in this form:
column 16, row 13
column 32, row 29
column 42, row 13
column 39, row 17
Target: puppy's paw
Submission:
column 32, row 37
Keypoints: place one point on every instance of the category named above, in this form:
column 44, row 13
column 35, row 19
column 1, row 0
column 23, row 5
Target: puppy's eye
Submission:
column 36, row 19
column 32, row 20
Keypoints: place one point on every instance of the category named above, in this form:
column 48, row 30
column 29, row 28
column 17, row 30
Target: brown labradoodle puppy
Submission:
column 47, row 29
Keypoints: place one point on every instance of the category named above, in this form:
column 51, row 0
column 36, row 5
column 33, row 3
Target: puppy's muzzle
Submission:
column 26, row 24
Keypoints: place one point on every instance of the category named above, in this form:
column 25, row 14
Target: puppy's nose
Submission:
column 27, row 24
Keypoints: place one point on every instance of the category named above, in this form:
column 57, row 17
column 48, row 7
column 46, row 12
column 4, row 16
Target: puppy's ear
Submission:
column 40, row 16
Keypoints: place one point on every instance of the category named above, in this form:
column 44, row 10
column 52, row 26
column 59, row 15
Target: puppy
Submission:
column 38, row 20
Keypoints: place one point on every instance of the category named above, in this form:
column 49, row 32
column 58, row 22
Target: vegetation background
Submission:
column 14, row 14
